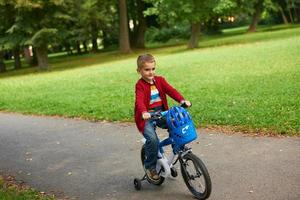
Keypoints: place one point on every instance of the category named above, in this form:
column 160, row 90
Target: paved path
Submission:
column 89, row 161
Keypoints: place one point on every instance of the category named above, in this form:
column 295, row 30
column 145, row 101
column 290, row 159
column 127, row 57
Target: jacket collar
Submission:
column 154, row 81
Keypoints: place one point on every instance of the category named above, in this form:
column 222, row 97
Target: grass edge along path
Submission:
column 10, row 189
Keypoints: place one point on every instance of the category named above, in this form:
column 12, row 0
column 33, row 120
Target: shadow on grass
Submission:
column 68, row 62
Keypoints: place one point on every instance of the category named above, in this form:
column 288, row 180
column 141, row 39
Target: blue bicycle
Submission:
column 181, row 132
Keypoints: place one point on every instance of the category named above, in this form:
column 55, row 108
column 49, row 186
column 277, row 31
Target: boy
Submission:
column 150, row 96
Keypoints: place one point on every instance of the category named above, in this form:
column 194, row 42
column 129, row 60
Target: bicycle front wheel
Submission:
column 195, row 176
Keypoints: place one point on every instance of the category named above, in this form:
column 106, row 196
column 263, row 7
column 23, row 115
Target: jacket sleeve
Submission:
column 172, row 92
column 140, row 99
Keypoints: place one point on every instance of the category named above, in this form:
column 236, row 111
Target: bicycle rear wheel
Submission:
column 161, row 178
column 195, row 176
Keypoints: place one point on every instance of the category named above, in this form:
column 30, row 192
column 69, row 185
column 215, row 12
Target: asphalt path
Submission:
column 77, row 159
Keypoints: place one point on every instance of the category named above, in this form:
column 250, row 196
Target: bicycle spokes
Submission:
column 194, row 175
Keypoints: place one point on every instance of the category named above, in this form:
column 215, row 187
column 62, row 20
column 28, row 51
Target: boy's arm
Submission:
column 139, row 99
column 172, row 92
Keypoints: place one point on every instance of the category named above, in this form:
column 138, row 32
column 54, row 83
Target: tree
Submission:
column 2, row 64
column 280, row 6
column 258, row 8
column 37, row 23
column 9, row 41
column 196, row 12
column 93, row 15
column 138, row 22
column 293, row 8
column 124, row 44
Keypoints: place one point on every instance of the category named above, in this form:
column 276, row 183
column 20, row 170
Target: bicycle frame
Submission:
column 162, row 161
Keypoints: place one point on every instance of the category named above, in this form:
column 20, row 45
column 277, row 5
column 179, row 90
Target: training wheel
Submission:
column 137, row 184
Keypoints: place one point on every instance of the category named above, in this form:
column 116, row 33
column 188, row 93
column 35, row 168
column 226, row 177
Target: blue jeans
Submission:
column 152, row 142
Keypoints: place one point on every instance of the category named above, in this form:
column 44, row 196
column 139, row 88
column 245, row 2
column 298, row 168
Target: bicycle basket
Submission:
column 181, row 126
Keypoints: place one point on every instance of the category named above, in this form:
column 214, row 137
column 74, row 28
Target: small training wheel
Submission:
column 137, row 184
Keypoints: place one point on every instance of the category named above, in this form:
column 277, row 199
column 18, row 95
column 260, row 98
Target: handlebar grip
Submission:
column 155, row 116
column 184, row 105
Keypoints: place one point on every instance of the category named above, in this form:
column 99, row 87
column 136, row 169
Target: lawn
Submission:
column 242, row 81
column 11, row 190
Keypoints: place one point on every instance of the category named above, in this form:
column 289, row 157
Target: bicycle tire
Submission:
column 201, row 171
column 161, row 179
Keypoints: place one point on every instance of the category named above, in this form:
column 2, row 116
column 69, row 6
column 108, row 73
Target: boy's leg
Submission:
column 151, row 149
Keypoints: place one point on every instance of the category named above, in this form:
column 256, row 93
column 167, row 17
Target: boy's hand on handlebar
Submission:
column 146, row 116
column 187, row 103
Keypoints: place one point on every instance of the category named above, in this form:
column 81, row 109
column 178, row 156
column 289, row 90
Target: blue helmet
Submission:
column 180, row 125
column 178, row 116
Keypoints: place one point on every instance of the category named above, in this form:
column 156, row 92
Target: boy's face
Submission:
column 148, row 71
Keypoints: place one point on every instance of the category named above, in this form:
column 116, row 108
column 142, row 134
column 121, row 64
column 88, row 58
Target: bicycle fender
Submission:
column 163, row 163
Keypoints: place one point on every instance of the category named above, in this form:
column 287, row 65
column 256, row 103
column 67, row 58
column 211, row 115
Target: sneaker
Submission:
column 152, row 174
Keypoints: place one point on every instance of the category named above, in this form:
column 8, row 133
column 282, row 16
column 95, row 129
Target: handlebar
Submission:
column 158, row 115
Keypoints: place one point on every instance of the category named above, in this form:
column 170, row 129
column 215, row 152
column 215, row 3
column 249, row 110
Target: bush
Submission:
column 164, row 34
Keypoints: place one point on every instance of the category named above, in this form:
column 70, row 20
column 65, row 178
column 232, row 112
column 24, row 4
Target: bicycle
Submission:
column 192, row 167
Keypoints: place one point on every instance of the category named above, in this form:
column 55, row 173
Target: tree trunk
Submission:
column 291, row 16
column 42, row 57
column 95, row 45
column 2, row 64
column 94, row 36
column 16, row 52
column 28, row 55
column 258, row 10
column 297, row 15
column 295, row 12
column 34, row 61
column 124, row 44
column 194, row 39
column 68, row 48
column 284, row 18
column 78, row 47
column 142, row 26
column 85, row 46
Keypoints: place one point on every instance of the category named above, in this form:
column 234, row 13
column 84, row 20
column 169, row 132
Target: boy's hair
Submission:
column 145, row 58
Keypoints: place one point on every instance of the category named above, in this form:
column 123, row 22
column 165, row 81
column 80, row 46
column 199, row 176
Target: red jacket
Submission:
column 142, row 97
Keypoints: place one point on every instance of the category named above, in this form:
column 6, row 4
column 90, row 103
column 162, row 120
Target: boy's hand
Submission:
column 188, row 103
column 146, row 115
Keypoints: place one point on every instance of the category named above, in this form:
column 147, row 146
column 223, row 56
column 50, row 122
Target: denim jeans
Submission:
column 152, row 141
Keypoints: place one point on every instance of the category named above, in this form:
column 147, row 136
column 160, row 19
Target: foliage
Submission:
column 66, row 24
column 101, row 14
column 36, row 22
column 172, row 12
column 164, row 34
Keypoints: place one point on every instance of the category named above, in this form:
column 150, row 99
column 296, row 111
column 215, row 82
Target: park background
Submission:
column 237, row 61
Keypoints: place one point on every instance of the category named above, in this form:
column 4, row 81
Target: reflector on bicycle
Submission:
column 181, row 127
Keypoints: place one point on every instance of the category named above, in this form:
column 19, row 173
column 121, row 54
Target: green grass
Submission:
column 14, row 192
column 250, row 83
column 240, row 36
